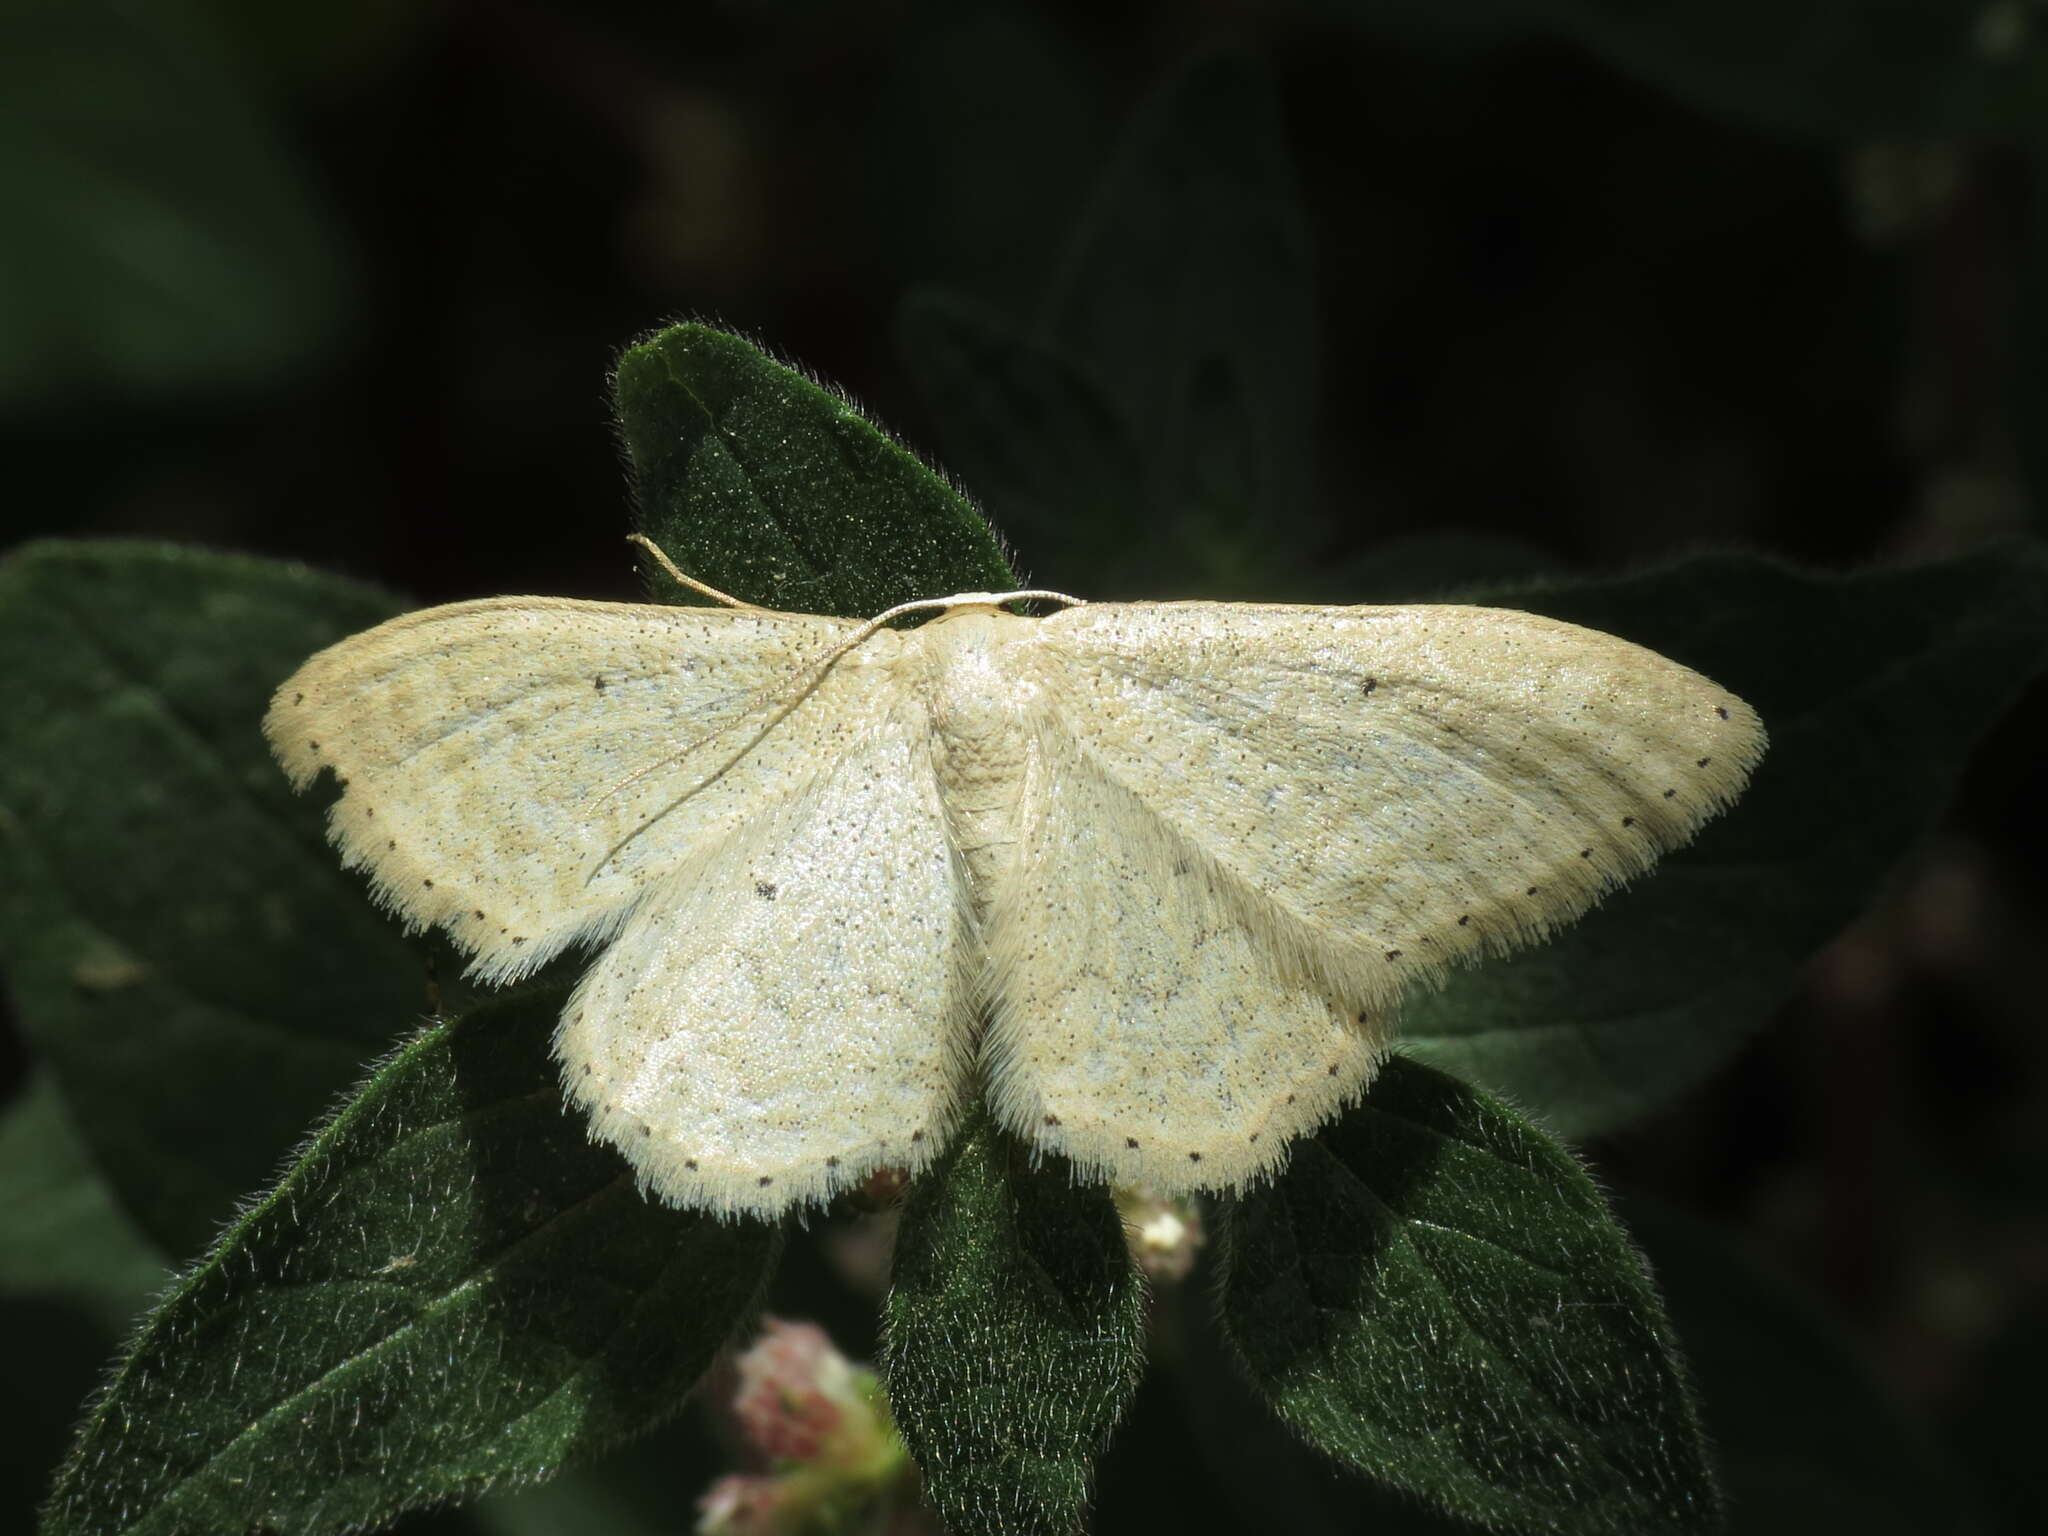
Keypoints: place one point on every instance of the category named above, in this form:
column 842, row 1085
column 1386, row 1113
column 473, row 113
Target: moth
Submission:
column 1154, row 876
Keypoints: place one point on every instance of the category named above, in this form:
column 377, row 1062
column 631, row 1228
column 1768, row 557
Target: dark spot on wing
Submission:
column 1703, row 762
column 766, row 1180
column 1463, row 921
column 1628, row 821
column 1670, row 794
column 766, row 889
column 1052, row 1119
column 1131, row 1142
column 1368, row 685
column 598, row 684
column 1721, row 712
column 1194, row 1157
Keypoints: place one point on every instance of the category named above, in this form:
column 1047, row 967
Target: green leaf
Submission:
column 160, row 236
column 763, row 483
column 452, row 1288
column 1434, row 1293
column 1029, row 431
column 1187, row 294
column 1874, row 689
column 1015, row 1336
column 183, row 946
column 1159, row 410
column 61, row 1234
column 74, row 1274
column 1810, row 1439
column 56, row 1357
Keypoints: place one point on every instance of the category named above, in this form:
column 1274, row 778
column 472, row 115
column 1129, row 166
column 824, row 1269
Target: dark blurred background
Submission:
column 1582, row 286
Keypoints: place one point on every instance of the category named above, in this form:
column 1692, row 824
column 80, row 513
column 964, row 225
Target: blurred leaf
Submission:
column 1826, row 68
column 61, row 1234
column 1030, row 432
column 1809, row 1438
column 1158, row 413
column 182, row 945
column 56, row 1356
column 760, row 482
column 1434, row 1293
column 1015, row 1336
column 1874, row 688
column 452, row 1288
column 74, row 1274
column 1186, row 293
column 158, row 235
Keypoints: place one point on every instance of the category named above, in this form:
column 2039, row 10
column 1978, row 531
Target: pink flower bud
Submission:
column 795, row 1390
column 822, row 1424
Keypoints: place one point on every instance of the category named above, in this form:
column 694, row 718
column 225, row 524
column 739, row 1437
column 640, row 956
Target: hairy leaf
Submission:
column 1434, row 1293
column 453, row 1287
column 767, row 485
column 1015, row 1336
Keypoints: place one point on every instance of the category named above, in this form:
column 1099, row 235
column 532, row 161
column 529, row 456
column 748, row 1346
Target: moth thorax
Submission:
column 978, row 710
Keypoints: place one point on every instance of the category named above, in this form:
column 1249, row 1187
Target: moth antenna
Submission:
column 924, row 605
column 806, row 681
column 703, row 588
